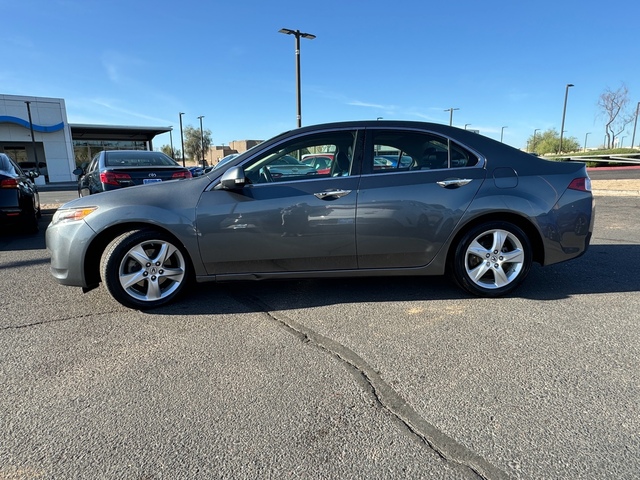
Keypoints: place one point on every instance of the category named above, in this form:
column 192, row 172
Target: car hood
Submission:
column 160, row 194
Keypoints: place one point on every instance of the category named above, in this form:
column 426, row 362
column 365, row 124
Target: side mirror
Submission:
column 78, row 171
column 232, row 179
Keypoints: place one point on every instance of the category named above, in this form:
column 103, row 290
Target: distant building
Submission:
column 60, row 146
column 218, row 152
column 241, row 146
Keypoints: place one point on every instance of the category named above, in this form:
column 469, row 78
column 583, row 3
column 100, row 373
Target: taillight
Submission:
column 112, row 178
column 582, row 184
column 9, row 183
column 186, row 174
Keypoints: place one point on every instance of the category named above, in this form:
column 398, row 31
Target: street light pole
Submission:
column 564, row 112
column 502, row 132
column 633, row 139
column 585, row 141
column 298, row 34
column 171, row 142
column 182, row 138
column 33, row 139
column 450, row 110
column 533, row 142
column 201, row 138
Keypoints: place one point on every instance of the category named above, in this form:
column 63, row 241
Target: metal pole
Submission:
column 633, row 139
column 585, row 141
column 298, row 94
column 450, row 110
column 502, row 132
column 202, row 139
column 171, row 142
column 33, row 138
column 182, row 138
column 298, row 34
column 564, row 112
column 533, row 142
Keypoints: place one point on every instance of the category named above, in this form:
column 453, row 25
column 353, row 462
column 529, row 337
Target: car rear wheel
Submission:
column 144, row 269
column 492, row 259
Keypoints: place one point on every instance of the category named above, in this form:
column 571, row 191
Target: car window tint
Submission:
column 402, row 151
column 312, row 156
column 142, row 159
column 8, row 165
column 461, row 157
column 94, row 164
column 4, row 163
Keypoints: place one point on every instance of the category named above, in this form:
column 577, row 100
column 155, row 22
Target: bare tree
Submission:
column 613, row 105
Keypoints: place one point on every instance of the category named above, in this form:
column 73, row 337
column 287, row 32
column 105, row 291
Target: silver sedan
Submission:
column 448, row 201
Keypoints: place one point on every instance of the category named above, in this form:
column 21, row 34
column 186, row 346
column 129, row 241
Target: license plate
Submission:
column 151, row 180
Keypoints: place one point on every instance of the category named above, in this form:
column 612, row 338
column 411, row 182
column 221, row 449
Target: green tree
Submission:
column 166, row 149
column 613, row 107
column 193, row 142
column 549, row 142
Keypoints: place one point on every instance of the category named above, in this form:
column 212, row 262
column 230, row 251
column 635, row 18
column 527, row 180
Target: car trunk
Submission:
column 128, row 176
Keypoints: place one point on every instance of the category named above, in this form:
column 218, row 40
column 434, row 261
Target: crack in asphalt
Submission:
column 445, row 446
column 54, row 320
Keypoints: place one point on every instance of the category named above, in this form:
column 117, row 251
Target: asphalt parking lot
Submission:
column 372, row 378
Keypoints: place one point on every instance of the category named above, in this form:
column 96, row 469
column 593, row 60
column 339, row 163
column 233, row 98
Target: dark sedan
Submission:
column 114, row 169
column 19, row 198
column 461, row 204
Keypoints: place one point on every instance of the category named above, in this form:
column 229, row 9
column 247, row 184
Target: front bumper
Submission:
column 68, row 243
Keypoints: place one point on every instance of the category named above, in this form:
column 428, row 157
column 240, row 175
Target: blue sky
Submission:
column 502, row 63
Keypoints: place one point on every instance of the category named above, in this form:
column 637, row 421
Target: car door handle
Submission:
column 454, row 182
column 332, row 194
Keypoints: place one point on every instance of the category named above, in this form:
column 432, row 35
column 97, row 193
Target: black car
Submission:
column 19, row 199
column 114, row 169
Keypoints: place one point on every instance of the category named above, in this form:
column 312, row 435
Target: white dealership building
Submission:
column 35, row 131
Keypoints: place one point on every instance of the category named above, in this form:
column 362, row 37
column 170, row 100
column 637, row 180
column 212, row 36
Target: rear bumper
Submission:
column 568, row 228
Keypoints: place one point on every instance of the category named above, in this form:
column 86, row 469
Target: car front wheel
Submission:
column 492, row 259
column 144, row 269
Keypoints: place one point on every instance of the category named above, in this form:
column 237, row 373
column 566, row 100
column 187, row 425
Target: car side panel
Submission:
column 278, row 227
column 403, row 219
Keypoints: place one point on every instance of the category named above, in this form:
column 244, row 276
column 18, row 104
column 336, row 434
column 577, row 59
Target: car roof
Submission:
column 483, row 145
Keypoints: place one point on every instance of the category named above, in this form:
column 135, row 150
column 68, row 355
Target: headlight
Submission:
column 71, row 214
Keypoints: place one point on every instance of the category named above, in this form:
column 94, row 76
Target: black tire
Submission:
column 492, row 259
column 144, row 269
column 30, row 222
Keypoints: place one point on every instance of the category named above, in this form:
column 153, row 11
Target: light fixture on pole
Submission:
column 502, row 132
column 450, row 110
column 298, row 34
column 202, row 139
column 564, row 112
column 585, row 141
column 182, row 138
column 633, row 139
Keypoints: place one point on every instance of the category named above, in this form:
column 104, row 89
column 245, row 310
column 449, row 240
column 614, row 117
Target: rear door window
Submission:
column 408, row 150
